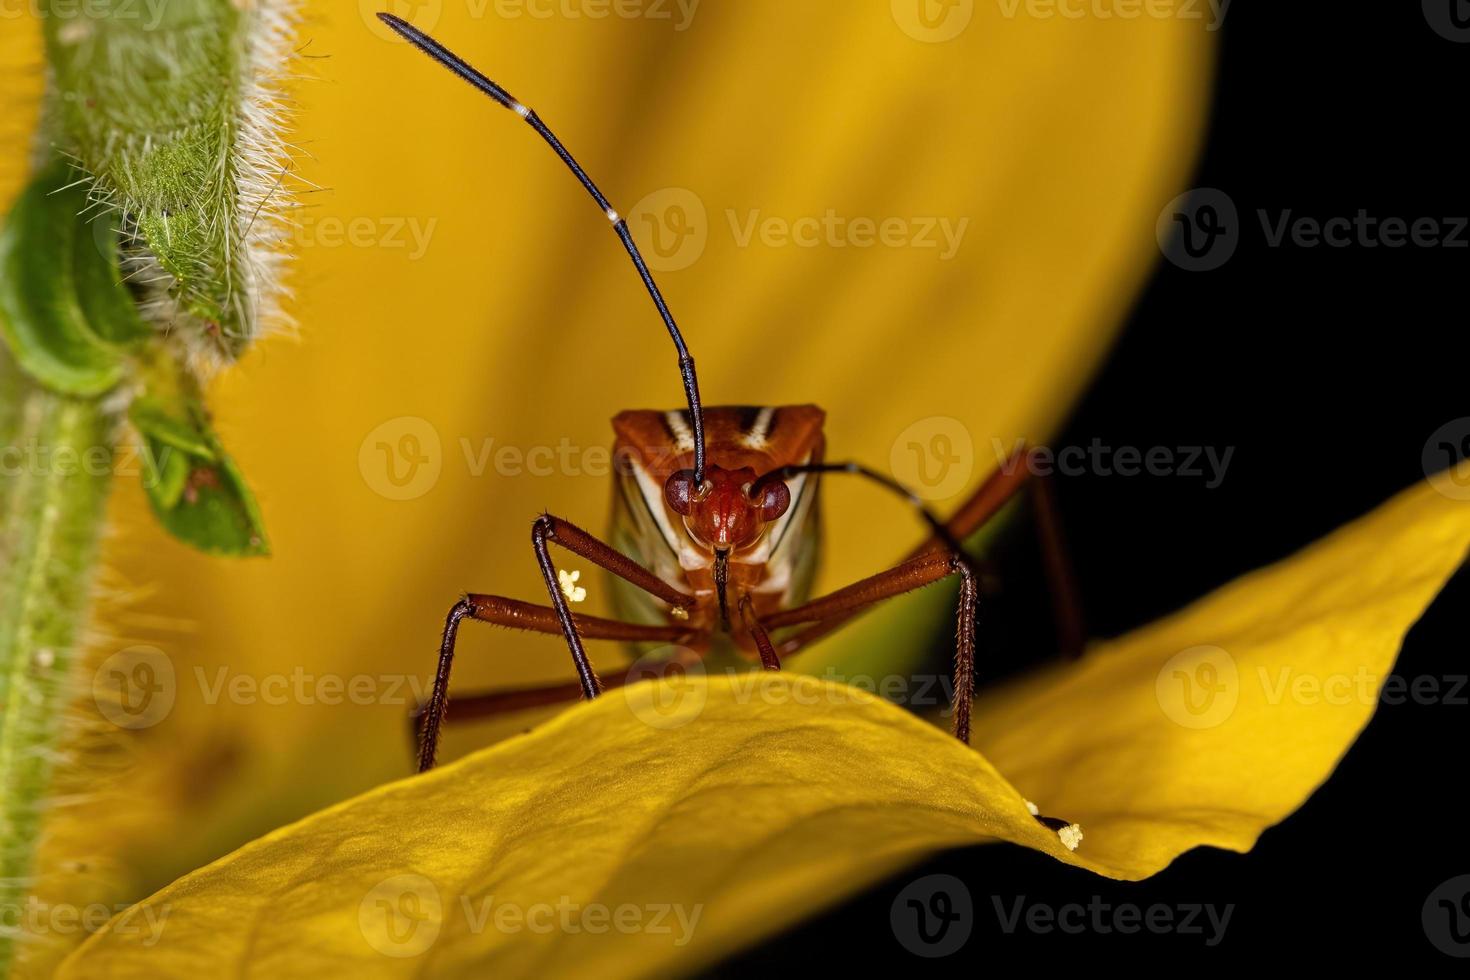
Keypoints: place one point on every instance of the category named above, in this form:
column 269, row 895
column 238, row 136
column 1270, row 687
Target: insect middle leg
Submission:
column 926, row 569
column 553, row 530
column 426, row 722
column 557, row 618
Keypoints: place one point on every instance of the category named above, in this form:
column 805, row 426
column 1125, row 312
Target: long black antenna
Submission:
column 469, row 73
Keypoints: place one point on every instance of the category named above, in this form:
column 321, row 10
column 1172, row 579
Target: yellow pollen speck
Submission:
column 678, row 612
column 569, row 586
column 1071, row 836
column 1035, row 810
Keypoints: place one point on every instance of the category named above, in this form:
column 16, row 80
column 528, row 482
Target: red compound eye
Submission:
column 770, row 500
column 679, row 491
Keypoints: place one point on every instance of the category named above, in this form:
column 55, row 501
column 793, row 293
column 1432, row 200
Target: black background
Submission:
column 1327, row 369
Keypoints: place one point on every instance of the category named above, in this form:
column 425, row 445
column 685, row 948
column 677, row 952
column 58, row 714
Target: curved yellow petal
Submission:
column 1210, row 725
column 706, row 812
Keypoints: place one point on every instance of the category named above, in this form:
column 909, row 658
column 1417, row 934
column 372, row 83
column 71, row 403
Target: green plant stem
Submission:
column 55, row 471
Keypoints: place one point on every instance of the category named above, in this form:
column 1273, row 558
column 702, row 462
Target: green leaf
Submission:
column 105, row 299
column 195, row 489
column 216, row 512
column 166, row 473
column 42, row 316
column 169, row 427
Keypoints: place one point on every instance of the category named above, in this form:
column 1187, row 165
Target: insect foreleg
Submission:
column 548, row 529
column 757, row 631
column 605, row 556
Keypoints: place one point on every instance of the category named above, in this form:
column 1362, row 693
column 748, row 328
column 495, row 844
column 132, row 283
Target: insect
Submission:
column 716, row 522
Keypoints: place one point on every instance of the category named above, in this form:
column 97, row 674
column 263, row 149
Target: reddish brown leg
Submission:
column 1066, row 602
column 987, row 501
column 757, row 631
column 926, row 569
column 500, row 611
column 579, row 542
column 983, row 505
column 558, row 618
column 543, row 619
column 490, row 704
column 553, row 530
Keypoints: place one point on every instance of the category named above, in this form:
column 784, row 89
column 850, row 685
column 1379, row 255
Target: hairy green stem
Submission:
column 55, row 471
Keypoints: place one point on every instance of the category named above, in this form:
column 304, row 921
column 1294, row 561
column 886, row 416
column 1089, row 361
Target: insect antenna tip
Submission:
column 398, row 24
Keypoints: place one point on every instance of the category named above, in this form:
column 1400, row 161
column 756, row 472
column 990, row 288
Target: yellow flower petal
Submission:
column 1214, row 723
column 736, row 805
column 20, row 54
column 729, row 807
